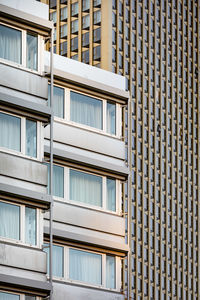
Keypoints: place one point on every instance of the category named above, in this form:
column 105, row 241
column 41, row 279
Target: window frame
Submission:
column 21, row 296
column 66, row 198
column 23, row 65
column 22, row 224
column 66, row 119
column 66, row 260
column 39, row 145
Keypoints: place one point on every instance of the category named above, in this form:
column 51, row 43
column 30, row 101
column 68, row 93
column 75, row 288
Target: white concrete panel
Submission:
column 85, row 71
column 31, row 7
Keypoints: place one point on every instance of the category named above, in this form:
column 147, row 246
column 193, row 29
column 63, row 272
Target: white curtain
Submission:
column 10, row 129
column 32, row 52
column 58, row 260
column 31, row 138
column 85, row 110
column 8, row 296
column 9, row 221
column 30, row 297
column 58, row 100
column 85, row 188
column 110, row 272
column 10, row 44
column 58, row 181
column 85, row 266
column 30, row 226
column 111, row 118
column 111, row 194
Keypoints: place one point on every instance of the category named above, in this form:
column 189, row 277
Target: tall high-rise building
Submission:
column 155, row 44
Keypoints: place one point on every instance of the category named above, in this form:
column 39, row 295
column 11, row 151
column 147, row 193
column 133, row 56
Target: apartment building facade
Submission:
column 155, row 45
column 79, row 207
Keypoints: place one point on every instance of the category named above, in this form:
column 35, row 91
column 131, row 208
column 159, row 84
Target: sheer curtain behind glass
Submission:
column 110, row 272
column 85, row 110
column 9, row 221
column 8, row 296
column 10, row 44
column 31, row 138
column 10, row 132
column 32, row 52
column 111, row 194
column 30, row 225
column 58, row 101
column 57, row 260
column 85, row 266
column 58, row 181
column 111, row 118
column 85, row 188
column 30, row 297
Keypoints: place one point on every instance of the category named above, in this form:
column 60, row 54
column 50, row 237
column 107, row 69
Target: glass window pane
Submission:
column 86, row 110
column 9, row 221
column 30, row 225
column 111, row 194
column 8, row 296
column 30, row 297
column 111, row 118
column 86, row 21
column 32, row 52
column 10, row 128
column 58, row 260
column 58, row 180
column 85, row 266
column 63, row 31
column 58, row 100
column 31, row 138
column 110, row 272
column 11, row 44
column 85, row 188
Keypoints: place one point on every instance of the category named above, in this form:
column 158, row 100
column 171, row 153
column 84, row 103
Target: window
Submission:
column 85, row 57
column 74, row 9
column 86, row 22
column 63, row 13
column 13, row 45
column 85, row 5
column 86, row 110
column 85, row 188
column 84, row 266
column 74, row 44
column 63, row 31
column 18, row 134
column 63, row 48
column 97, row 17
column 53, row 17
column 74, row 26
column 97, row 53
column 85, row 39
column 18, row 222
column 97, row 3
column 13, row 296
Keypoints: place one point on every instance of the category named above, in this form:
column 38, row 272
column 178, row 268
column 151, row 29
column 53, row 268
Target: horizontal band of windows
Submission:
column 19, row 223
column 83, row 266
column 86, row 189
column 92, row 113
column 112, row 95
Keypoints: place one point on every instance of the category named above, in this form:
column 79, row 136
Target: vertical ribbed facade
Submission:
column 155, row 44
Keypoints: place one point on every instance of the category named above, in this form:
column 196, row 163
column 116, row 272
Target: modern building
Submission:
column 62, row 234
column 155, row 44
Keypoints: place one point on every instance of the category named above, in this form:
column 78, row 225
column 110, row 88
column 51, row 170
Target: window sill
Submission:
column 19, row 66
column 86, row 128
column 85, row 206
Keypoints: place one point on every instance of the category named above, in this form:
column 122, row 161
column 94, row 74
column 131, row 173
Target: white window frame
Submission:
column 21, row 296
column 24, row 47
column 22, row 230
column 23, row 138
column 66, row 119
column 66, row 278
column 118, row 191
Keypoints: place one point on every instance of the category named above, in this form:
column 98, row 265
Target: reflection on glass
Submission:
column 32, row 52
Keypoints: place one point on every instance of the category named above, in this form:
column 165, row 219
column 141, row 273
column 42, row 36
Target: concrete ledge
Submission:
column 39, row 287
column 36, row 198
column 87, row 240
